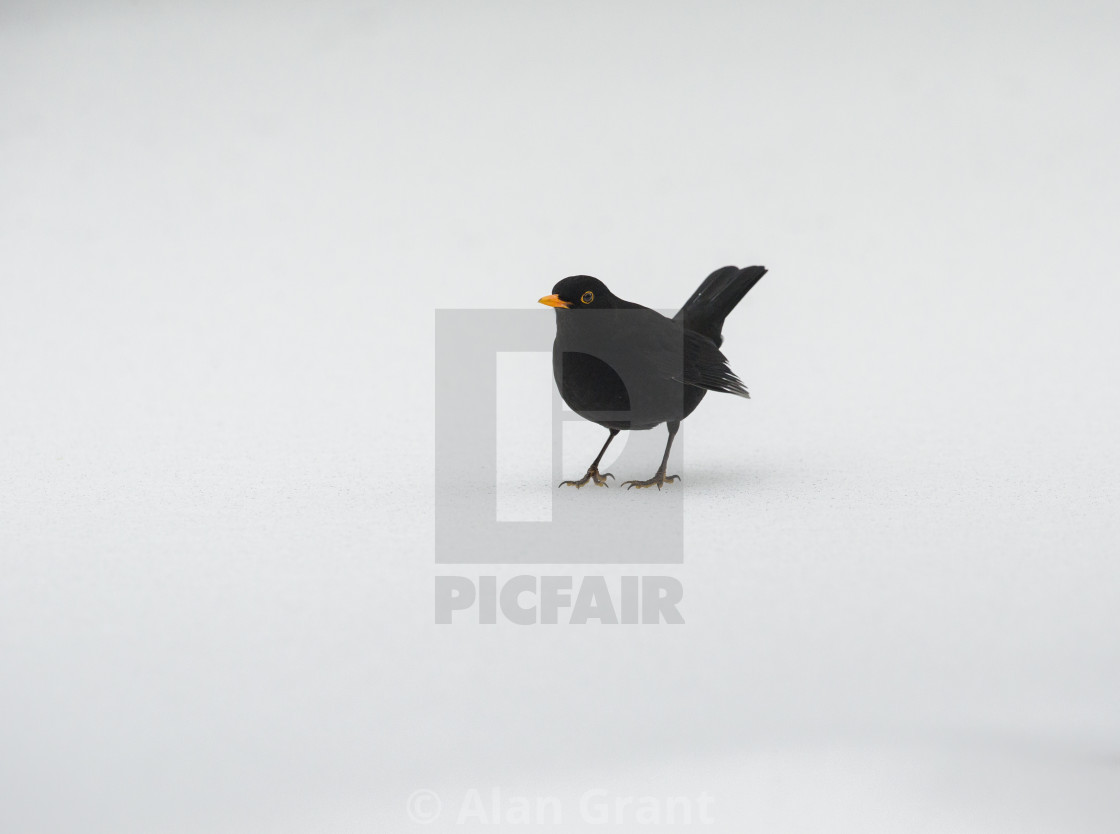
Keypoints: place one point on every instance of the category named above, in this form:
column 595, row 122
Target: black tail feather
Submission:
column 705, row 311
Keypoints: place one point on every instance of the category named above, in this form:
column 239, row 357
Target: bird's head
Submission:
column 580, row 292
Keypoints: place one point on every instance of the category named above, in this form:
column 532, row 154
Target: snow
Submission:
column 224, row 229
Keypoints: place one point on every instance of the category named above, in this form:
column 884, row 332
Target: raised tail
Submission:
column 705, row 311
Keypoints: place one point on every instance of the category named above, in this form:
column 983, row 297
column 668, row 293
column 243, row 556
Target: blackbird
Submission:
column 627, row 367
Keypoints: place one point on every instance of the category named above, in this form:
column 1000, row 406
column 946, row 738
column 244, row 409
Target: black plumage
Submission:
column 627, row 367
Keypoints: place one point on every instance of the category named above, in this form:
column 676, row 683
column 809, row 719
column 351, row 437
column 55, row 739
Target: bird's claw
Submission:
column 592, row 475
column 657, row 480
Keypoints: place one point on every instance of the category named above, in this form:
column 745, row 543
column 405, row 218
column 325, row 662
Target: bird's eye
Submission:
column 587, row 297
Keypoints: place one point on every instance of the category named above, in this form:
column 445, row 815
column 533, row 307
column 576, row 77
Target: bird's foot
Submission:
column 658, row 480
column 592, row 475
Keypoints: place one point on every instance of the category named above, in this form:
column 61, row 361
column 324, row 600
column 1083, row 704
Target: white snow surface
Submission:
column 224, row 229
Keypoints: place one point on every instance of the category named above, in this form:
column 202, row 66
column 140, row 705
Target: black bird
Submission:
column 627, row 367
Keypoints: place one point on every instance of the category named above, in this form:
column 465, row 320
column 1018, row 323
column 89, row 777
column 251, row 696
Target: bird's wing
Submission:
column 684, row 355
column 636, row 341
column 706, row 367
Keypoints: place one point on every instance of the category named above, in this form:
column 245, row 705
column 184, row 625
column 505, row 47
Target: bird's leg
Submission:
column 660, row 478
column 593, row 470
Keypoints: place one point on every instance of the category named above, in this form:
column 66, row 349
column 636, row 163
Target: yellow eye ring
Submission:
column 587, row 297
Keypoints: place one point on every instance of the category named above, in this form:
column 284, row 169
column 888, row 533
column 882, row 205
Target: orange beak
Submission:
column 554, row 301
